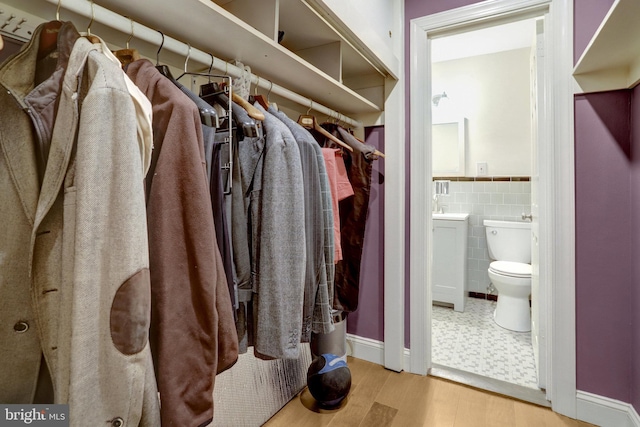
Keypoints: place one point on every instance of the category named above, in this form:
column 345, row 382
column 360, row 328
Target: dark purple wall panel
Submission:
column 603, row 244
column 635, row 228
column 368, row 320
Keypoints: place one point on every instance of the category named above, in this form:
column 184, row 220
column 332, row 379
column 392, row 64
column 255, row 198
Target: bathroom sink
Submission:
column 451, row 216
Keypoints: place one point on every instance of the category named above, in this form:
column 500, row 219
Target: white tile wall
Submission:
column 501, row 200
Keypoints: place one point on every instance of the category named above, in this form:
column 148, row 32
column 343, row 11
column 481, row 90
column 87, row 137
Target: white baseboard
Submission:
column 369, row 350
column 606, row 412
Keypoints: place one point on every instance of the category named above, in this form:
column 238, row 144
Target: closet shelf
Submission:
column 612, row 59
column 209, row 27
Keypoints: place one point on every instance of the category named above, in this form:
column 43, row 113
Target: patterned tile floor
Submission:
column 471, row 341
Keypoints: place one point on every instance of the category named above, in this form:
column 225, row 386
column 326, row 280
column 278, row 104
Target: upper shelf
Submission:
column 612, row 59
column 210, row 27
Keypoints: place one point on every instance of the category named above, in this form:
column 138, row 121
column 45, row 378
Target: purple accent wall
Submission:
column 368, row 320
column 587, row 16
column 635, row 227
column 603, row 244
column 607, row 220
column 415, row 9
column 607, row 136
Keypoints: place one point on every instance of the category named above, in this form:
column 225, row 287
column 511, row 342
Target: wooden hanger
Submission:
column 127, row 55
column 253, row 112
column 308, row 121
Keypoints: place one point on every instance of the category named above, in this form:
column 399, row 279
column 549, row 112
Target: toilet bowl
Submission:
column 510, row 272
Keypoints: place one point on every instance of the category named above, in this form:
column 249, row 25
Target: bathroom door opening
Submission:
column 497, row 88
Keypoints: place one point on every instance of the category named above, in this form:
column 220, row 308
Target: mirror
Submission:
column 448, row 147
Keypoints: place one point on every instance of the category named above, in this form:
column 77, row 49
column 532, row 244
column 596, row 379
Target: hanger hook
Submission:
column 160, row 48
column 186, row 60
column 210, row 66
column 255, row 89
column 93, row 16
column 130, row 34
column 270, row 87
column 58, row 10
column 310, row 106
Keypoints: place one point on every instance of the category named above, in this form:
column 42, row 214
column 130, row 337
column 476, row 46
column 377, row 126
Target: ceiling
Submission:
column 499, row 38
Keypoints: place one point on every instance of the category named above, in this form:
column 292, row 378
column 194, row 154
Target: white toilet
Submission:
column 509, row 244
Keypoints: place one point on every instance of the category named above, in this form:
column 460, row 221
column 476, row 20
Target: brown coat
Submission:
column 193, row 332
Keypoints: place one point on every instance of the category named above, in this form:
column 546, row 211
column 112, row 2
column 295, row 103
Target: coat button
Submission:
column 21, row 327
column 117, row 422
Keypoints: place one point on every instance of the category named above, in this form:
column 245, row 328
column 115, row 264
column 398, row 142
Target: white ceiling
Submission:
column 514, row 35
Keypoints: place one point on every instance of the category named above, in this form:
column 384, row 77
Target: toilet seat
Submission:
column 511, row 269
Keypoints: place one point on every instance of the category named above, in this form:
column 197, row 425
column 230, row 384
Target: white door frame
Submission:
column 560, row 236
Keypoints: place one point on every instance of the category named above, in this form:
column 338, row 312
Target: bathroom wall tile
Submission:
column 497, row 198
column 479, row 187
column 524, row 198
column 486, row 199
column 460, row 198
column 477, row 209
column 473, row 242
column 518, row 210
column 511, row 199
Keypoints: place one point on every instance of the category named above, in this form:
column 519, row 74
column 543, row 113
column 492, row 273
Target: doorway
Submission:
column 557, row 240
column 484, row 84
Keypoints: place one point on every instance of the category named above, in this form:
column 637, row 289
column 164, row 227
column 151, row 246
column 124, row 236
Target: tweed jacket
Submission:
column 318, row 232
column 280, row 248
column 75, row 281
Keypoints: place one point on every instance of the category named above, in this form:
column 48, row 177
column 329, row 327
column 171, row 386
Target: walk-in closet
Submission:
column 189, row 198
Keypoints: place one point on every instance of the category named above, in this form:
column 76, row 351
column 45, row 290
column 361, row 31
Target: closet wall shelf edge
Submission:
column 210, row 27
column 611, row 60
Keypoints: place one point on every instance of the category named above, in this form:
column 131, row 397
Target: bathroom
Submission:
column 482, row 114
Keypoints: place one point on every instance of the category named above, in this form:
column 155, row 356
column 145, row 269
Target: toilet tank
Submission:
column 509, row 240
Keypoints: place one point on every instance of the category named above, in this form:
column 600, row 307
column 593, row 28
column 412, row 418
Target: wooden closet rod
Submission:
column 124, row 25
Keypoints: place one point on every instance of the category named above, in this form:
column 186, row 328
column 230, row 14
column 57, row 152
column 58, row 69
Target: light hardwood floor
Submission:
column 381, row 398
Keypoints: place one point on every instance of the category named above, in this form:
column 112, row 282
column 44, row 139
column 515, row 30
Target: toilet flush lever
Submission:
column 525, row 216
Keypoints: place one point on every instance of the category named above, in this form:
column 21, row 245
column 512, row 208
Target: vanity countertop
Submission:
column 451, row 216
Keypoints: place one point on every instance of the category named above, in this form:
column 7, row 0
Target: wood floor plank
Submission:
column 361, row 398
column 472, row 407
column 381, row 398
column 393, row 391
column 379, row 416
column 443, row 400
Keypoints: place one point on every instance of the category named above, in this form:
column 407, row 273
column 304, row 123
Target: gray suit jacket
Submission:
column 280, row 250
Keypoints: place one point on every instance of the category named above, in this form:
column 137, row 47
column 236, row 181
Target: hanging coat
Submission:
column 193, row 331
column 75, row 279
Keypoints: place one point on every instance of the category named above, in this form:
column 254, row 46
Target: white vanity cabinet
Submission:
column 449, row 272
